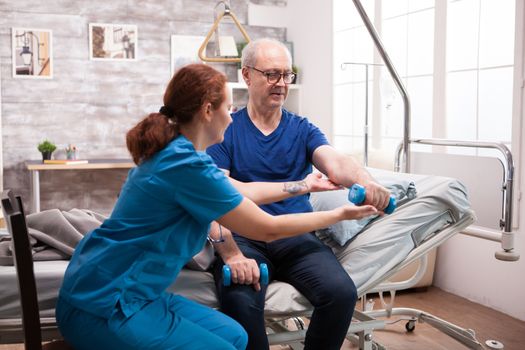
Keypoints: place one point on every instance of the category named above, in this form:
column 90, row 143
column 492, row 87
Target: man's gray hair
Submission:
column 249, row 53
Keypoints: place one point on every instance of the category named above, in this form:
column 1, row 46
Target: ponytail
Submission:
column 189, row 89
column 149, row 136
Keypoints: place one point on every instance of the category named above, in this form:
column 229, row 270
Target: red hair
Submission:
column 189, row 89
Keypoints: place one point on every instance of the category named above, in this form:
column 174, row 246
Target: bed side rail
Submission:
column 505, row 237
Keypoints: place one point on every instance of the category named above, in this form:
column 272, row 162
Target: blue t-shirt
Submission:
column 284, row 155
column 159, row 222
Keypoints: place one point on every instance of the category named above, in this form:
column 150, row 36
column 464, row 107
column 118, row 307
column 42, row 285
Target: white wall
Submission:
column 466, row 266
column 309, row 27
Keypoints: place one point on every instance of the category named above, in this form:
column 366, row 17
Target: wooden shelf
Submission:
column 35, row 166
column 91, row 164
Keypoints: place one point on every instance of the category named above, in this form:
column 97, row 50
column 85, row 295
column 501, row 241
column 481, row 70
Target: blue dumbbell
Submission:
column 357, row 196
column 227, row 274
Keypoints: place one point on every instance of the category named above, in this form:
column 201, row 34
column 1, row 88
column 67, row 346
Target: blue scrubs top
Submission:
column 282, row 156
column 159, row 222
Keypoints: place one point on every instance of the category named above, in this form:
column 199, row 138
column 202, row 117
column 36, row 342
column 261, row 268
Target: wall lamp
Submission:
column 27, row 54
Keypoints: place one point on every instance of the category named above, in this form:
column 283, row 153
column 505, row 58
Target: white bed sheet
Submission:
column 381, row 246
column 49, row 276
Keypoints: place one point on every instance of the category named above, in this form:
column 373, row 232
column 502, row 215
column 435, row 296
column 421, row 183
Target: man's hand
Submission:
column 376, row 195
column 315, row 182
column 244, row 270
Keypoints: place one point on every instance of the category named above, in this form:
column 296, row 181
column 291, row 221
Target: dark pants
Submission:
column 311, row 267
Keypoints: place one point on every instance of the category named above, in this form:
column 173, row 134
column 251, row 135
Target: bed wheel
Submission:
column 494, row 344
column 410, row 326
column 377, row 346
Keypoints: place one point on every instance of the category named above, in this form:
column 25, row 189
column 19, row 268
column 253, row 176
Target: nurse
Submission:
column 114, row 290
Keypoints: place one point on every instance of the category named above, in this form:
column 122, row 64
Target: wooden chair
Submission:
column 34, row 328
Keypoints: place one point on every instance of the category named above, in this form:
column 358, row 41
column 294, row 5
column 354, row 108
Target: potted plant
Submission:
column 46, row 147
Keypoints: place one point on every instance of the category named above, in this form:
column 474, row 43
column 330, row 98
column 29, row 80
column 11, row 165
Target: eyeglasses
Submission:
column 274, row 77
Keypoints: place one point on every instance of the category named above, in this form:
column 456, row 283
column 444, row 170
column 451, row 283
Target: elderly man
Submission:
column 268, row 143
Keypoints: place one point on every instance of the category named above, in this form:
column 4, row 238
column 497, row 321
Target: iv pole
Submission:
column 365, row 65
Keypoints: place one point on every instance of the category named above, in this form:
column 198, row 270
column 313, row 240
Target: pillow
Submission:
column 343, row 231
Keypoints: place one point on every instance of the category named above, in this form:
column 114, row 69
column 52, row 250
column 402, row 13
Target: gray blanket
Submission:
column 54, row 234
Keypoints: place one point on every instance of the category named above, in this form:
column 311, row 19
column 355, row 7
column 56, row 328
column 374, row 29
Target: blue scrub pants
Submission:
column 312, row 268
column 170, row 322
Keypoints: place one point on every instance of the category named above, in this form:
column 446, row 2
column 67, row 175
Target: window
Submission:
column 480, row 58
column 353, row 46
column 477, row 58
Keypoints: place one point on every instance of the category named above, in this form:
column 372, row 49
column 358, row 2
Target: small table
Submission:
column 35, row 166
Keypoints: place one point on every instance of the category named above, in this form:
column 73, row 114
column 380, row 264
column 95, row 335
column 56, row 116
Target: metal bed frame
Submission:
column 366, row 321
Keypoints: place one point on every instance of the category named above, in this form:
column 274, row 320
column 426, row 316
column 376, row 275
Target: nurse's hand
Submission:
column 244, row 270
column 352, row 212
column 315, row 182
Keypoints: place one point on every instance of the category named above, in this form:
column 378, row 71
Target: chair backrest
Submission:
column 16, row 225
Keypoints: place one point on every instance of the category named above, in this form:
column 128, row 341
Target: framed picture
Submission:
column 184, row 50
column 112, row 41
column 32, row 53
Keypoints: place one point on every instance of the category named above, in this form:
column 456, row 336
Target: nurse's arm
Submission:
column 248, row 220
column 269, row 192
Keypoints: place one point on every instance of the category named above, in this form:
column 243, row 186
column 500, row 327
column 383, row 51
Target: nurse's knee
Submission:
column 240, row 338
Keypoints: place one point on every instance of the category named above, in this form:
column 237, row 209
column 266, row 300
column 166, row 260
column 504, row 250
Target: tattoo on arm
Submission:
column 295, row 187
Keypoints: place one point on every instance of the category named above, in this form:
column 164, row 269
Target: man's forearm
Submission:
column 348, row 171
column 295, row 187
column 270, row 192
column 345, row 170
column 228, row 248
column 340, row 168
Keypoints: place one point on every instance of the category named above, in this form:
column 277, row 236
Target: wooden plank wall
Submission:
column 91, row 103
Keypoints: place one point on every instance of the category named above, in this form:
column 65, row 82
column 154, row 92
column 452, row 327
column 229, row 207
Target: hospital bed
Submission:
column 384, row 246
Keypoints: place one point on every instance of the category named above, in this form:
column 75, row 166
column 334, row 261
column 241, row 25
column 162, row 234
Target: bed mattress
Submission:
column 382, row 245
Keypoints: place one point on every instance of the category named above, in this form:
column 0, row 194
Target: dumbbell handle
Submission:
column 357, row 195
column 227, row 274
